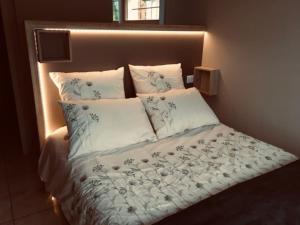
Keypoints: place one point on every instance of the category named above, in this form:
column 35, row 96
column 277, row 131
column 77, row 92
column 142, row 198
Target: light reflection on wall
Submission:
column 130, row 32
column 44, row 96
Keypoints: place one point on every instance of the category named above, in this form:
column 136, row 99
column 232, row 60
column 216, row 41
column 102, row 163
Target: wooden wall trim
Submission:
column 113, row 26
column 33, row 59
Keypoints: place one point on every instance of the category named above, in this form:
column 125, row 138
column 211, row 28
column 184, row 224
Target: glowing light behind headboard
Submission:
column 44, row 96
column 128, row 32
column 48, row 127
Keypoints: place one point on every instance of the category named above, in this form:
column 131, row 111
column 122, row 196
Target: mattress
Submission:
column 145, row 183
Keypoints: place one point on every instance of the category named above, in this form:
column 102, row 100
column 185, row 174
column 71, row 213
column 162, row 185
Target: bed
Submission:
column 208, row 175
column 145, row 183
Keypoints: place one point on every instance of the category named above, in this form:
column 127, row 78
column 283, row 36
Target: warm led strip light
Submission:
column 44, row 96
column 127, row 32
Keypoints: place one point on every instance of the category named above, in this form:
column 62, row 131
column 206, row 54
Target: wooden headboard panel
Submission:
column 103, row 50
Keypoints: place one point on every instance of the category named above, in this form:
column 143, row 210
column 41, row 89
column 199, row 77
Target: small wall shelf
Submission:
column 53, row 46
column 206, row 80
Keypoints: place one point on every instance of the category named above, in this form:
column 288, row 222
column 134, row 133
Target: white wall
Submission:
column 256, row 44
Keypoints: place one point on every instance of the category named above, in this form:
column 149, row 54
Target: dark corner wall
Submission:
column 256, row 45
column 8, row 117
column 15, row 12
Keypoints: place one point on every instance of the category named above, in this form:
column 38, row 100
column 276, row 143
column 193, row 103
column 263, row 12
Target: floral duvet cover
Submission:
column 146, row 184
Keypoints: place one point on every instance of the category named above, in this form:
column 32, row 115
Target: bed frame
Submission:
column 97, row 46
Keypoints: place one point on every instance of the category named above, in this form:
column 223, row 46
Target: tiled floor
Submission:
column 23, row 200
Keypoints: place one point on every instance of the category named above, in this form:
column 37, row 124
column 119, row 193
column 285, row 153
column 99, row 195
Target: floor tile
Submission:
column 28, row 194
column 25, row 183
column 21, row 164
column 22, row 193
column 12, row 149
column 3, row 185
column 7, row 223
column 45, row 218
column 26, row 203
column 3, row 181
column 5, row 209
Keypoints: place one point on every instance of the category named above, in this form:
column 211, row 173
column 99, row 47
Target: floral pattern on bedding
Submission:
column 72, row 111
column 145, row 187
column 158, row 81
column 75, row 86
column 160, row 110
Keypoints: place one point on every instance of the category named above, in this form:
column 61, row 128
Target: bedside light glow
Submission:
column 127, row 32
column 44, row 97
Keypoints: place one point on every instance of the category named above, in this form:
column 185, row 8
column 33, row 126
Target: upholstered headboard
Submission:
column 102, row 47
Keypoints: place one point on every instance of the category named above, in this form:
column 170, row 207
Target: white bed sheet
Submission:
column 144, row 183
column 53, row 163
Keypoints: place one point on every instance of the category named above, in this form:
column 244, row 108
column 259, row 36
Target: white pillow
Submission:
column 103, row 125
column 177, row 110
column 153, row 79
column 90, row 85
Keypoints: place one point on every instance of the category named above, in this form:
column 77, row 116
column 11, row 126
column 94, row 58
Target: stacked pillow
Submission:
column 104, row 125
column 97, row 114
column 171, row 108
column 153, row 79
column 99, row 118
column 176, row 111
column 90, row 85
